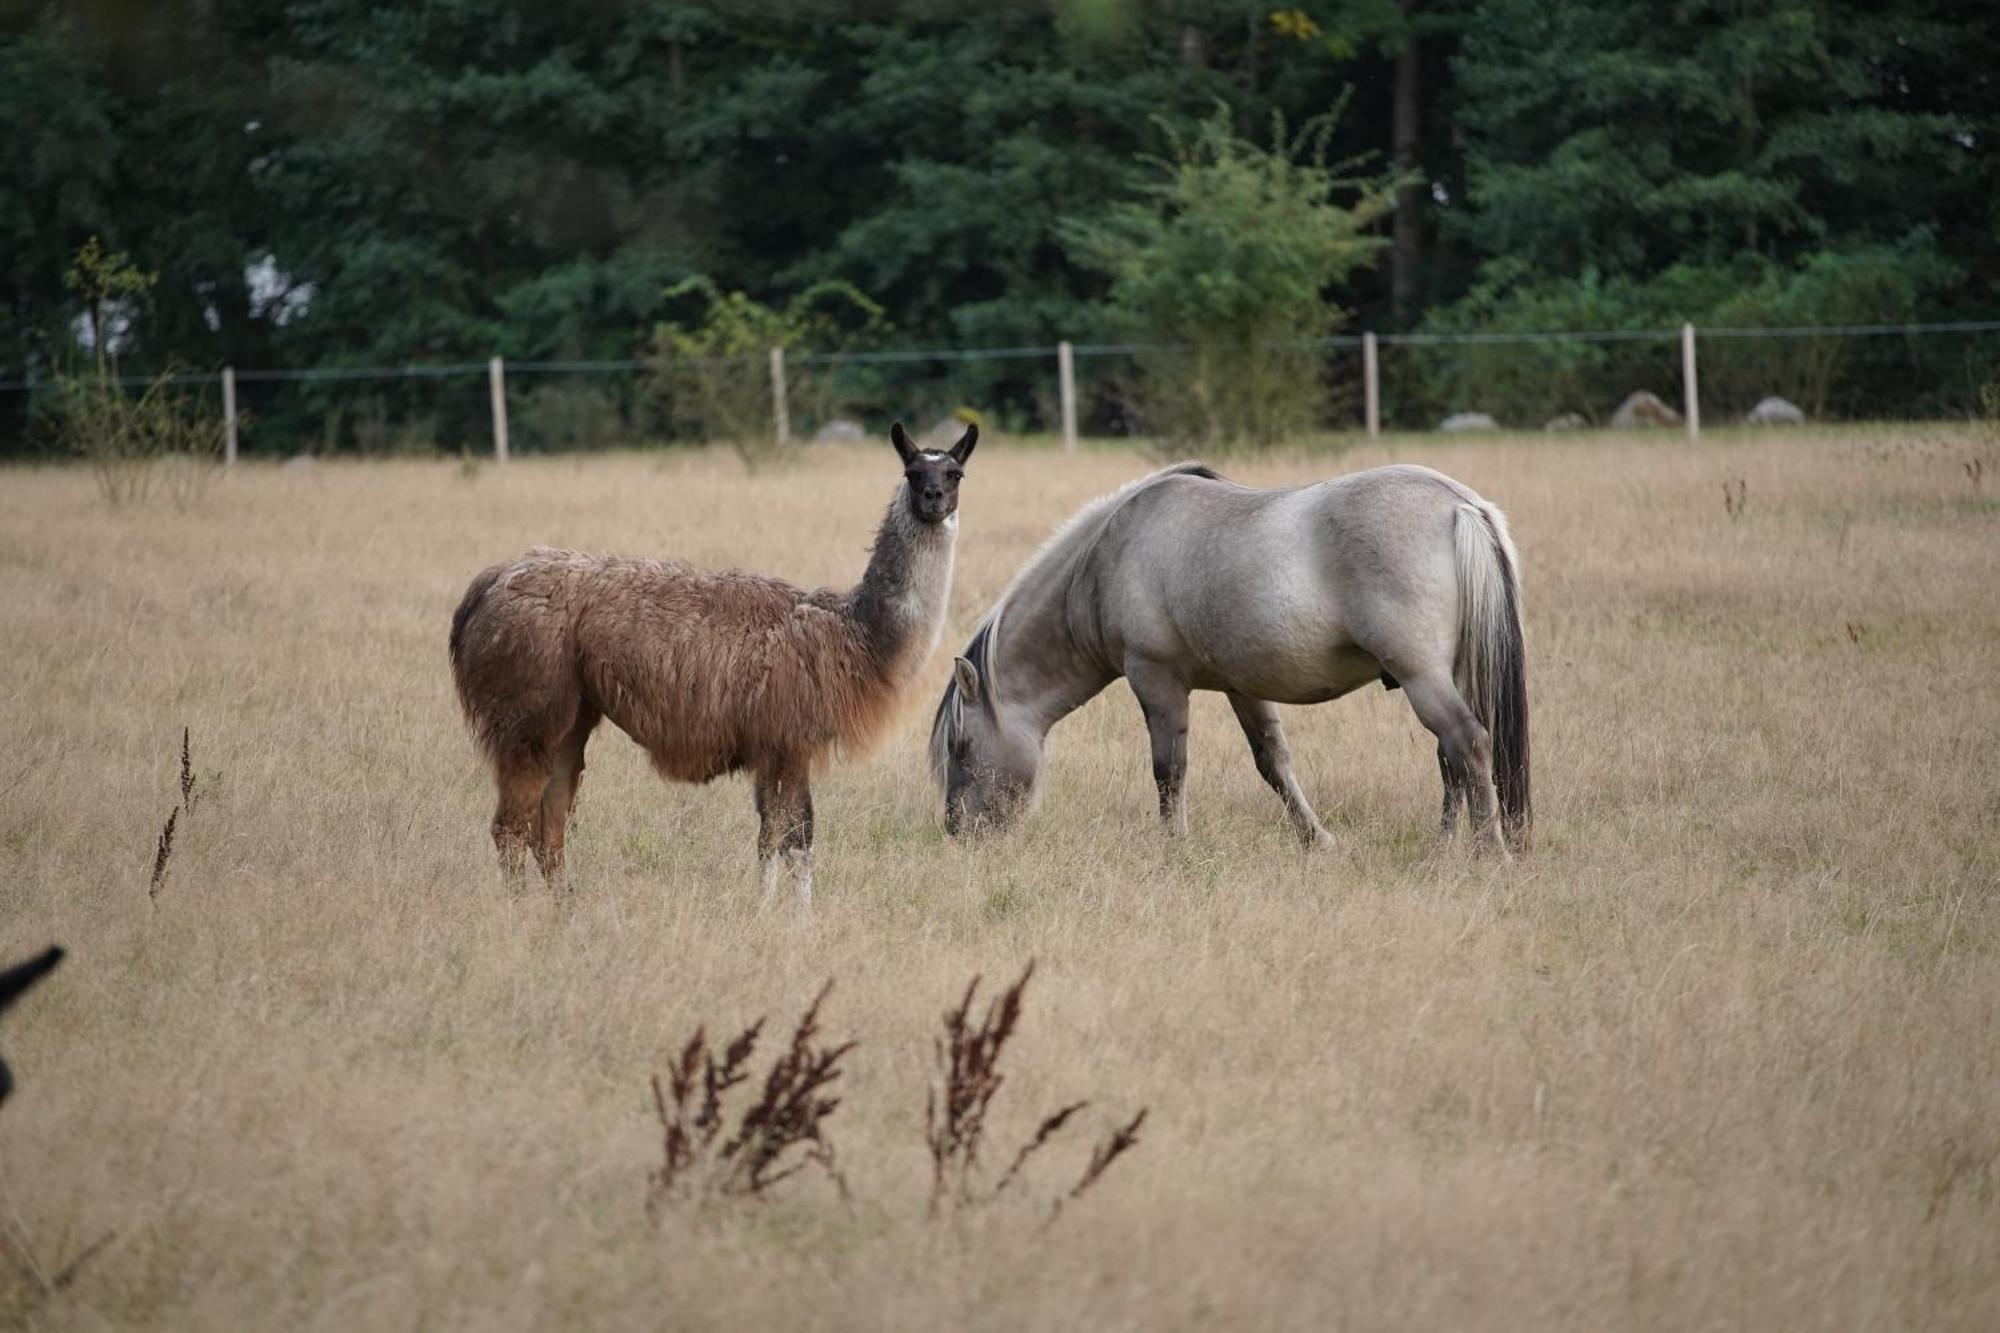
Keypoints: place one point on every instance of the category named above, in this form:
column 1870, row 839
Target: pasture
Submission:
column 1721, row 1052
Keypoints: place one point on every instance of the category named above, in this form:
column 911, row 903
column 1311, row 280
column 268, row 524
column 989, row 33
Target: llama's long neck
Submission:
column 901, row 599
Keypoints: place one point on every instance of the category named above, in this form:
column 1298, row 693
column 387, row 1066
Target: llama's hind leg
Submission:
column 785, row 831
column 565, row 776
column 1465, row 752
column 521, row 779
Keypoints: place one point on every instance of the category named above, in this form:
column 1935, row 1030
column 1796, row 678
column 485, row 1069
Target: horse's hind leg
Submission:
column 1164, row 700
column 1274, row 765
column 1464, row 750
column 1454, row 795
column 521, row 778
column 565, row 776
column 785, row 830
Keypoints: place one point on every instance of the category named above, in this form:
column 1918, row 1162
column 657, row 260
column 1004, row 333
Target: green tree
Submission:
column 1225, row 266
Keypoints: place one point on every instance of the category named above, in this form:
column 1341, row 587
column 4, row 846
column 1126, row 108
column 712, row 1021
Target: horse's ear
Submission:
column 967, row 676
column 901, row 439
column 963, row 449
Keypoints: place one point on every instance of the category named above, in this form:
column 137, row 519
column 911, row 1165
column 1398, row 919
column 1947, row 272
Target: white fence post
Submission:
column 781, row 417
column 1066, row 381
column 229, row 416
column 1688, row 381
column 1371, row 384
column 496, row 374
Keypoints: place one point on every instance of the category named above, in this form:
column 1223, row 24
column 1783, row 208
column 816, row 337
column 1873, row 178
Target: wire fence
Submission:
column 1360, row 382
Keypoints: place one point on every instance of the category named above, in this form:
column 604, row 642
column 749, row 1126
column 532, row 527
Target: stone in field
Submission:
column 839, row 431
column 1643, row 409
column 1775, row 411
column 1568, row 421
column 1458, row 421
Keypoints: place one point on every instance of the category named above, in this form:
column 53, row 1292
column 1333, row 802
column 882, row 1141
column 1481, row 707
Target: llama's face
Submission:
column 931, row 476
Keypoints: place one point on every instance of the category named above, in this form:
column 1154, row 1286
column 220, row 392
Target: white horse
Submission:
column 1186, row 581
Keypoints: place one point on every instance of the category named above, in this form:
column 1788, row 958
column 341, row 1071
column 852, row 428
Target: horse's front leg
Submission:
column 785, row 832
column 1274, row 765
column 1164, row 699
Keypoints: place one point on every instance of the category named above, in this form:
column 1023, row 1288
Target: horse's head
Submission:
column 933, row 475
column 988, row 762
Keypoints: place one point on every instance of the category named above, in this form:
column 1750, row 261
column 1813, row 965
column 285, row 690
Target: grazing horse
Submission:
column 1186, row 581
column 712, row 673
column 13, row 982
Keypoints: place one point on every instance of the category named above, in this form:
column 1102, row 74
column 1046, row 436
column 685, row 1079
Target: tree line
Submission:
column 331, row 183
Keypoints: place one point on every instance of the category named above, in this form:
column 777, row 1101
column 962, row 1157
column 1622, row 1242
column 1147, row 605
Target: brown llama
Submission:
column 712, row 672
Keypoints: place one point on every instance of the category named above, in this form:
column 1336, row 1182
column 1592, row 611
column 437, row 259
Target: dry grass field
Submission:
column 1724, row 1052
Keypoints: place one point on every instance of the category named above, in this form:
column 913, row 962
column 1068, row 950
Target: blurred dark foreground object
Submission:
column 13, row 982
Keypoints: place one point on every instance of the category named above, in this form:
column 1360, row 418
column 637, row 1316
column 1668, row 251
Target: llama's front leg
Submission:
column 1165, row 702
column 1274, row 765
column 785, row 832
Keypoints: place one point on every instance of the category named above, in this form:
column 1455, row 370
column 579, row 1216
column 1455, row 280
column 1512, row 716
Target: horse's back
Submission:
column 1285, row 594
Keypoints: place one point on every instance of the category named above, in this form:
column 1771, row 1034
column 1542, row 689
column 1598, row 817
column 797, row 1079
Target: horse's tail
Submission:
column 1492, row 667
column 482, row 583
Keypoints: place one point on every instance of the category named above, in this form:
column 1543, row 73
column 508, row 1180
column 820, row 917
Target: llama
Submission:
column 712, row 672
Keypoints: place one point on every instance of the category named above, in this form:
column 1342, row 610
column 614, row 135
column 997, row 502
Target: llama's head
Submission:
column 932, row 474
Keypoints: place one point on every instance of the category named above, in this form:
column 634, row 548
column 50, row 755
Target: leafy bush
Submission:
column 126, row 437
column 568, row 416
column 1525, row 384
column 1222, row 270
column 715, row 374
column 131, row 440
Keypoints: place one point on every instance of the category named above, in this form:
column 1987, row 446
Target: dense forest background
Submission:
column 330, row 183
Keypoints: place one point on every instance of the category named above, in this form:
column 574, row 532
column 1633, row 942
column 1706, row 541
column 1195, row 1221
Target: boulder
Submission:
column 1643, row 409
column 1567, row 421
column 1459, row 421
column 840, row 431
column 1776, row 411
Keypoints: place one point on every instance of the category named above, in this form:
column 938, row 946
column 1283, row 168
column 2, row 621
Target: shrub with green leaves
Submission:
column 127, row 437
column 1222, row 269
column 714, row 373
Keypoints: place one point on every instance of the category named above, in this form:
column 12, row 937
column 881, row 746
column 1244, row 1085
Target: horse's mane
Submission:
column 1066, row 546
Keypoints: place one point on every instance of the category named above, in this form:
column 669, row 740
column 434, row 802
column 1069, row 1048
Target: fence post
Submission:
column 1371, row 384
column 1066, row 381
column 1688, row 381
column 780, row 416
column 229, row 416
column 496, row 374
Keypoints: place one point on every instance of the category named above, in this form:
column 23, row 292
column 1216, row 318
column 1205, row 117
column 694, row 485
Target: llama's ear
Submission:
column 901, row 439
column 968, row 678
column 963, row 449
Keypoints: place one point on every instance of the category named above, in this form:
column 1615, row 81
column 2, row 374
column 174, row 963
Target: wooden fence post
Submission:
column 229, row 416
column 1066, row 382
column 1693, row 403
column 781, row 417
column 1371, row 384
column 496, row 374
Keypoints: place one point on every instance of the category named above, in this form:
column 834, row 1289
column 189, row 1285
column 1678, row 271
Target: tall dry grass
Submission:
column 1721, row 1053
